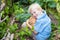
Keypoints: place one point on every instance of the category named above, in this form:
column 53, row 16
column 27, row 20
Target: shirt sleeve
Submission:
column 43, row 28
column 42, row 24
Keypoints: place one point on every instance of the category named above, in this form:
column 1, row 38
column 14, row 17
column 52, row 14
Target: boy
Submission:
column 42, row 26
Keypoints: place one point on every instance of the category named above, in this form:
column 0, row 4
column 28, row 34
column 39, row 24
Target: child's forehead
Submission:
column 34, row 8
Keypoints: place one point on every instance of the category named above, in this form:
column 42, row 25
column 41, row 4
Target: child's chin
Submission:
column 35, row 16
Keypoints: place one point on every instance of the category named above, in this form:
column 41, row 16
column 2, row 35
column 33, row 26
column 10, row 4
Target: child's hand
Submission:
column 24, row 24
column 27, row 22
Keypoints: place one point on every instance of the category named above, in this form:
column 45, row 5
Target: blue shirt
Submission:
column 42, row 27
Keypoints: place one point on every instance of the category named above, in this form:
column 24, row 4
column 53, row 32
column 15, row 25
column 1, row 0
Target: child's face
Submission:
column 35, row 12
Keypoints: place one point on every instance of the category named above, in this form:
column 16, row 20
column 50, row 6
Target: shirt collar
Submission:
column 42, row 15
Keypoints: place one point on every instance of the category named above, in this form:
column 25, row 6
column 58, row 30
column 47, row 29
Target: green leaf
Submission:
column 58, row 7
column 52, row 4
column 13, row 28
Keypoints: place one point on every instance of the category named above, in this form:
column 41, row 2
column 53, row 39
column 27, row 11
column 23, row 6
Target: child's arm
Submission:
column 30, row 27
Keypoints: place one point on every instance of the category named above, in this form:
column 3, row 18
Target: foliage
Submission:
column 20, row 11
column 23, row 33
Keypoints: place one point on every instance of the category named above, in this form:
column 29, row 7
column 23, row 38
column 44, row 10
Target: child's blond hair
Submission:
column 32, row 6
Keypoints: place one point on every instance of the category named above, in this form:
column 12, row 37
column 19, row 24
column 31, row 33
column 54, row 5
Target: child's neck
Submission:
column 39, row 14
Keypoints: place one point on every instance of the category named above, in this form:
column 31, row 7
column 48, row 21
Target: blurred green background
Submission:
column 19, row 10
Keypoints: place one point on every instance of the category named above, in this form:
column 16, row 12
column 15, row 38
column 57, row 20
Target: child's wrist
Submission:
column 32, row 29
